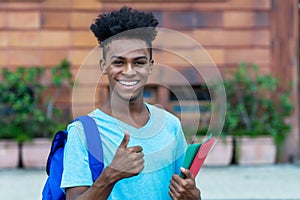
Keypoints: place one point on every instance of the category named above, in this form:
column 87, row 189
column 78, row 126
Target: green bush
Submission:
column 23, row 113
column 256, row 105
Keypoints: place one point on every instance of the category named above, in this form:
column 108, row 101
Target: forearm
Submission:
column 100, row 190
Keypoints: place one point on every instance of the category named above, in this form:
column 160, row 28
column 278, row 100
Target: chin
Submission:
column 133, row 97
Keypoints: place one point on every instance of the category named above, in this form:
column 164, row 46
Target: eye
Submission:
column 118, row 62
column 140, row 62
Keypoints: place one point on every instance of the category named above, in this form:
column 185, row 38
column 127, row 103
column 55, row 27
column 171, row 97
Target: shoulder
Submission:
column 95, row 114
column 76, row 124
column 77, row 128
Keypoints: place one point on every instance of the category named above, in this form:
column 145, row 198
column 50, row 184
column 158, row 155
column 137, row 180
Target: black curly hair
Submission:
column 141, row 25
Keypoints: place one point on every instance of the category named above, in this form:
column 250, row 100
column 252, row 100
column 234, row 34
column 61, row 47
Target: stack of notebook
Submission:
column 196, row 154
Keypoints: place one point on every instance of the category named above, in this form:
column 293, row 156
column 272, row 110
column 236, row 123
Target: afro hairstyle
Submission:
column 112, row 24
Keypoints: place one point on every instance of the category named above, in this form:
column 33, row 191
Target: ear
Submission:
column 150, row 66
column 102, row 66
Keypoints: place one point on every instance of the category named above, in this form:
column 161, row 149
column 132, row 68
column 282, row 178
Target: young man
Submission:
column 143, row 145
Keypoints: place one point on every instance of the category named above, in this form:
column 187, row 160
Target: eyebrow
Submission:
column 120, row 57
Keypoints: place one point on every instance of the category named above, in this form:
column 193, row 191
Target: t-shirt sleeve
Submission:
column 76, row 163
column 180, row 149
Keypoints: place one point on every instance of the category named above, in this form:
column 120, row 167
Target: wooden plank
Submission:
column 83, row 39
column 186, row 57
column 250, row 4
column 81, row 106
column 283, row 26
column 160, row 1
column 83, row 19
column 233, row 5
column 229, row 71
column 4, row 39
column 33, row 57
column 3, row 19
column 85, row 56
column 39, row 38
column 241, row 19
column 14, row 4
column 25, row 57
column 232, row 38
column 178, row 19
column 255, row 56
column 24, row 38
column 211, row 19
column 194, row 5
column 165, row 39
column 52, row 57
column 217, row 55
column 247, row 38
column 285, row 29
column 66, row 96
column 4, row 58
column 61, row 4
column 87, row 4
column 149, row 6
column 88, row 76
column 24, row 20
column 56, row 20
column 180, row 76
column 55, row 38
column 210, row 37
column 170, row 59
column 87, row 94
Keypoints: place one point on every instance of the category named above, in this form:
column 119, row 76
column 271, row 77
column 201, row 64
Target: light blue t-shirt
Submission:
column 163, row 145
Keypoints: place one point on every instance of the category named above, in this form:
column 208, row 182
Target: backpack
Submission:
column 54, row 167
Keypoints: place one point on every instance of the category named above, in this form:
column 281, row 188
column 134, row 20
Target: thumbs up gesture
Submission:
column 128, row 161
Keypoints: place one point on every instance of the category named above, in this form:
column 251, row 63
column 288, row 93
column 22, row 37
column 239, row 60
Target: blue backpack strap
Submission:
column 58, row 142
column 54, row 165
column 94, row 145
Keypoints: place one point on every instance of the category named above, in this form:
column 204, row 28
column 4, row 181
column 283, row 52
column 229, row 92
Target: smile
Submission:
column 128, row 83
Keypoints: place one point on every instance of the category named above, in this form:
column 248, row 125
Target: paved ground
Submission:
column 216, row 183
column 267, row 182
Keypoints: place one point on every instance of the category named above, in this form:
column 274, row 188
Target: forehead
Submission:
column 126, row 47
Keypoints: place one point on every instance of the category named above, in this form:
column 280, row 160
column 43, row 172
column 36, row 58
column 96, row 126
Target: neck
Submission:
column 119, row 107
column 134, row 112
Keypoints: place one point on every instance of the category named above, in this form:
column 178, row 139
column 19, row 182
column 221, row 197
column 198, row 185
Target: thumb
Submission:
column 187, row 173
column 125, row 140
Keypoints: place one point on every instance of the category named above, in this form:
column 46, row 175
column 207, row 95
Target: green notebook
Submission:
column 190, row 154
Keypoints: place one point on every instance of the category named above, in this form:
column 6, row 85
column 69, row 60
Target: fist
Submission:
column 128, row 161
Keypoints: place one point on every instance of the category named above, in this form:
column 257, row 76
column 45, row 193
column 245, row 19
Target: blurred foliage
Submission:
column 23, row 112
column 257, row 105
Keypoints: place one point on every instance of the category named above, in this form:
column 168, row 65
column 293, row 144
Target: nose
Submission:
column 129, row 70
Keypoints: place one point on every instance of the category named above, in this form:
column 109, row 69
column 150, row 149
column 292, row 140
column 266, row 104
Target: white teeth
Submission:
column 128, row 83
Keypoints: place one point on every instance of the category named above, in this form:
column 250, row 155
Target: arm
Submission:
column 184, row 189
column 99, row 190
column 127, row 162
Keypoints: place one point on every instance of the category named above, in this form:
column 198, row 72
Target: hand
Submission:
column 184, row 189
column 128, row 161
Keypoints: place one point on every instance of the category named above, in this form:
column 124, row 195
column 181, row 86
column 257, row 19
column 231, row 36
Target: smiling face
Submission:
column 127, row 64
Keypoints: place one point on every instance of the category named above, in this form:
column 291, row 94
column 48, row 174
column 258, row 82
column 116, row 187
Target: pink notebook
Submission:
column 201, row 155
